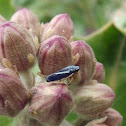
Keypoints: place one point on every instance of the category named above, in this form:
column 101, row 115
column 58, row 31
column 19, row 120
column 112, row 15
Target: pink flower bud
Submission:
column 60, row 25
column 84, row 58
column 100, row 124
column 27, row 19
column 50, row 103
column 2, row 20
column 12, row 93
column 54, row 54
column 100, row 72
column 16, row 45
column 93, row 99
column 113, row 117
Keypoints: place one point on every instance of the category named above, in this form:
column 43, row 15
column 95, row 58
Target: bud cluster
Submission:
column 39, row 103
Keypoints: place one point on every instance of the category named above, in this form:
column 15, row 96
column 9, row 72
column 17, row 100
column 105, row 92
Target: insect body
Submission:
column 63, row 73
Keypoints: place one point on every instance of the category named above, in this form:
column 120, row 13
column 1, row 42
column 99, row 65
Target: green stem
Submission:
column 27, row 78
column 23, row 119
column 116, row 66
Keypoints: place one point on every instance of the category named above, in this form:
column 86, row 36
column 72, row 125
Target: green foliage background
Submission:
column 107, row 36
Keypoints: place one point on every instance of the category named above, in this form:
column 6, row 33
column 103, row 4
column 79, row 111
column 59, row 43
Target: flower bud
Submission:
column 113, row 117
column 12, row 93
column 100, row 124
column 27, row 19
column 50, row 103
column 84, row 58
column 54, row 54
column 100, row 72
column 2, row 20
column 16, row 45
column 60, row 25
column 93, row 99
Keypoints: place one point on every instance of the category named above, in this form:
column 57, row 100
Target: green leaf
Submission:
column 109, row 45
column 5, row 121
column 6, row 8
column 120, row 24
column 72, row 117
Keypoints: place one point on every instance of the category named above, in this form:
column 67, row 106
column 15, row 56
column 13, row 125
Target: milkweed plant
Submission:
column 28, row 97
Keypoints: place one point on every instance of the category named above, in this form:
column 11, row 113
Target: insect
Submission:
column 63, row 73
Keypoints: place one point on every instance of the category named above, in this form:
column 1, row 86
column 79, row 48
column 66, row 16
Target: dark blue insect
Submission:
column 63, row 73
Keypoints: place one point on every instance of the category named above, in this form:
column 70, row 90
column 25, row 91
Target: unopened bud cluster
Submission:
column 23, row 40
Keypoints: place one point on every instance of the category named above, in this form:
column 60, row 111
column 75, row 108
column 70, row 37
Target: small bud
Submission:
column 50, row 103
column 27, row 19
column 12, row 93
column 100, row 124
column 16, row 45
column 83, row 57
column 60, row 25
column 2, row 20
column 54, row 54
column 100, row 72
column 93, row 99
column 113, row 117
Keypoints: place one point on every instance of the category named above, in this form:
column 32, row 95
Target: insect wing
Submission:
column 57, row 76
